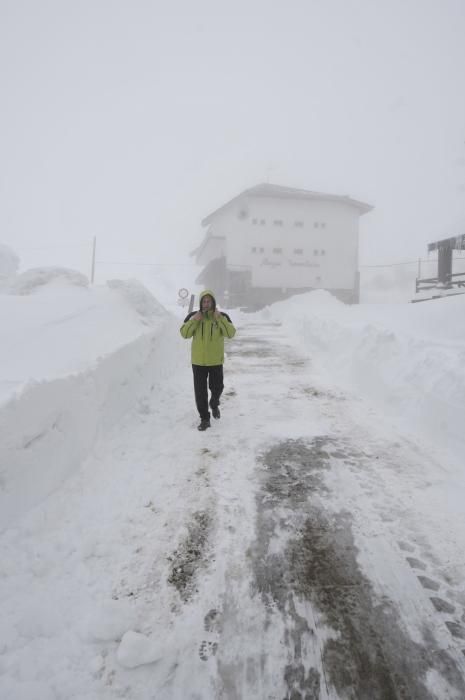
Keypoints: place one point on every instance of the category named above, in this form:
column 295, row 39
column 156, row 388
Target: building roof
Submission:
column 279, row 192
column 455, row 243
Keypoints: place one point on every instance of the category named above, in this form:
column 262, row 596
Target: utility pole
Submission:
column 92, row 271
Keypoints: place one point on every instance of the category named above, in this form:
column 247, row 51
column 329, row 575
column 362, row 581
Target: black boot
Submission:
column 204, row 424
column 216, row 412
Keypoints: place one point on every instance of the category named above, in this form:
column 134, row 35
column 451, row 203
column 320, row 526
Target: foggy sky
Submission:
column 134, row 120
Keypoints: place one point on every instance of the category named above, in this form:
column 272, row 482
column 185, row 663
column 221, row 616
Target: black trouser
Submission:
column 214, row 376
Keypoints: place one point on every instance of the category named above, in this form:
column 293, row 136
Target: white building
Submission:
column 270, row 242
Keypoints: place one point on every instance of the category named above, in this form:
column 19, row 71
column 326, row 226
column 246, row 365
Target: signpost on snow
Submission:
column 183, row 295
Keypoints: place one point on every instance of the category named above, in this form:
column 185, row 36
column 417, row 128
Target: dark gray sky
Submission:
column 132, row 120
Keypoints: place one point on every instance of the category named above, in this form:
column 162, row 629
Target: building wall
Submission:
column 214, row 248
column 325, row 231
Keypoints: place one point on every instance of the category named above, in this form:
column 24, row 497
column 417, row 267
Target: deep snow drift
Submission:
column 72, row 361
column 409, row 359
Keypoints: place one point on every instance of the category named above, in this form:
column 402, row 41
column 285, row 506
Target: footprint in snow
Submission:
column 207, row 649
column 416, row 563
column 428, row 583
column 213, row 621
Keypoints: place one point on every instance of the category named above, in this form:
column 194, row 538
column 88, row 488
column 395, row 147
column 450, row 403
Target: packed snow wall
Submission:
column 49, row 429
column 78, row 360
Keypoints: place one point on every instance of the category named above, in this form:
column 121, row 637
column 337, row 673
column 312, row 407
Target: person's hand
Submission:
column 197, row 316
column 217, row 313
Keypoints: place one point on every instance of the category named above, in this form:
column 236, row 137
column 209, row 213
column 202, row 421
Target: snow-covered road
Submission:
column 298, row 549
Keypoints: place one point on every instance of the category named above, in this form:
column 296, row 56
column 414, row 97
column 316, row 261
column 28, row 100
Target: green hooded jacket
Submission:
column 207, row 334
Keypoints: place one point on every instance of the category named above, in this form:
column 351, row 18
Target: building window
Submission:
column 277, row 251
column 323, row 224
column 254, row 249
column 299, row 224
column 262, row 222
column 255, row 222
column 322, row 252
column 318, row 279
column 298, row 251
column 315, row 252
column 278, row 222
column 315, row 224
column 261, row 250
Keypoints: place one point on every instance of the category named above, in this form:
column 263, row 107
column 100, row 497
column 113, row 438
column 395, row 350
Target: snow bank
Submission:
column 61, row 330
column 27, row 282
column 139, row 298
column 72, row 362
column 408, row 358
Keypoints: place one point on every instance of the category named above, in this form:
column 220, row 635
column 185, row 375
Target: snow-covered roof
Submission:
column 279, row 192
column 454, row 243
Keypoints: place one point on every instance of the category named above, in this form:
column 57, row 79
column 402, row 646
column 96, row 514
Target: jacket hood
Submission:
column 205, row 293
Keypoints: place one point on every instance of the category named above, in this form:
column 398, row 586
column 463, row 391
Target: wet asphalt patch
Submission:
column 368, row 655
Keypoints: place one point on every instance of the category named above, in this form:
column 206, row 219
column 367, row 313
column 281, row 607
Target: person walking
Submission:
column 208, row 328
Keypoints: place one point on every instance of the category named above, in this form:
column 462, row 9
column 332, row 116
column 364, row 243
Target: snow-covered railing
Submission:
column 456, row 279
